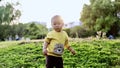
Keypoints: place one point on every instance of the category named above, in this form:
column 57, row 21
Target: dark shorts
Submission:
column 52, row 62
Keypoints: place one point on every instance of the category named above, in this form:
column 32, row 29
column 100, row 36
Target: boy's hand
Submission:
column 45, row 52
column 73, row 52
column 45, row 48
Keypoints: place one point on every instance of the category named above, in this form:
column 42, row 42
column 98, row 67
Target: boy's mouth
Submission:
column 58, row 30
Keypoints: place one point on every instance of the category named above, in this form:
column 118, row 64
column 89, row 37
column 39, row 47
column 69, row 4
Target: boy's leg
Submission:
column 59, row 62
column 49, row 61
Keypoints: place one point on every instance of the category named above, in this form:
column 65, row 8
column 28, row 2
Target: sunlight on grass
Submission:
column 8, row 43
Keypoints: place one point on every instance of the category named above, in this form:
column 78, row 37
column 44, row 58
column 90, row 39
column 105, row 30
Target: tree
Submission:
column 79, row 32
column 16, row 29
column 8, row 14
column 35, row 31
column 101, row 15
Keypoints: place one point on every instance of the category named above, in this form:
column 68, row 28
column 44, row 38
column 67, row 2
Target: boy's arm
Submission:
column 67, row 45
column 45, row 45
column 71, row 50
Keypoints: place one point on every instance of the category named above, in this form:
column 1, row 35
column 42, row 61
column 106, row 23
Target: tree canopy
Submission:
column 8, row 14
column 35, row 31
column 101, row 15
column 10, row 26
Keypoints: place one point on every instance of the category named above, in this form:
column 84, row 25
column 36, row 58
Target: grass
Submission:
column 91, row 53
column 8, row 44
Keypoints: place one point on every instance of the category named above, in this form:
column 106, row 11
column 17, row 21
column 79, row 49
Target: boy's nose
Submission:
column 57, row 25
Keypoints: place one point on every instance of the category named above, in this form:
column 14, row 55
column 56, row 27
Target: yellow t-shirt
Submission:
column 57, row 42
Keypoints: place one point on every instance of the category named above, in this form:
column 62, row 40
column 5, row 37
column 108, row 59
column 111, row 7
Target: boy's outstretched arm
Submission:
column 45, row 45
column 71, row 50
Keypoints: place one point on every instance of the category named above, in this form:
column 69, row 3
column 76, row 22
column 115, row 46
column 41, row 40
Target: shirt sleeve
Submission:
column 48, row 38
column 67, row 41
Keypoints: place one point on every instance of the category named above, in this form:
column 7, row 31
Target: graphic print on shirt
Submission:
column 58, row 49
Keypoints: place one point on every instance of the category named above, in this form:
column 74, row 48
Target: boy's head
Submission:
column 57, row 23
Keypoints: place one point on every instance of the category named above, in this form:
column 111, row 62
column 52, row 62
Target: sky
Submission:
column 43, row 10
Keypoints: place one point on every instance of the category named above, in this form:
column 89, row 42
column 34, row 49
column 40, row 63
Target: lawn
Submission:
column 90, row 54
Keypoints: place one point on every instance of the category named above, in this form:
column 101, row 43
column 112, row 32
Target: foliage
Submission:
column 19, row 56
column 101, row 15
column 8, row 14
column 79, row 32
column 3, row 31
column 11, row 31
column 31, row 30
column 90, row 54
column 35, row 31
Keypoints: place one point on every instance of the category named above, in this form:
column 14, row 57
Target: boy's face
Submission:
column 57, row 24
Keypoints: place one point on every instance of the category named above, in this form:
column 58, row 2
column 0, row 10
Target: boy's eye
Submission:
column 57, row 23
column 54, row 24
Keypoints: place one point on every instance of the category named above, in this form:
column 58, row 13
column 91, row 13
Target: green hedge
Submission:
column 90, row 54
